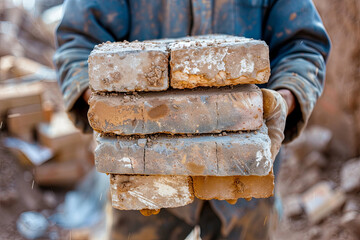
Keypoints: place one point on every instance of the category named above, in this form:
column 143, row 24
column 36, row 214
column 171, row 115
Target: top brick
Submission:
column 127, row 67
column 218, row 61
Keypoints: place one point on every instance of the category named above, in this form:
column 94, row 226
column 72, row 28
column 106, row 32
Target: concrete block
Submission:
column 218, row 62
column 202, row 111
column 198, row 155
column 136, row 192
column 233, row 187
column 124, row 67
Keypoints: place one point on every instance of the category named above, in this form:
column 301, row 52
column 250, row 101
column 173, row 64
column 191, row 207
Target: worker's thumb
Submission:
column 275, row 111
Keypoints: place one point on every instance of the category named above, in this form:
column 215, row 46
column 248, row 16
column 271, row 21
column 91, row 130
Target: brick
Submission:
column 21, row 121
column 201, row 111
column 198, row 155
column 59, row 134
column 218, row 62
column 18, row 95
column 124, row 66
column 233, row 187
column 320, row 201
column 136, row 192
column 59, row 174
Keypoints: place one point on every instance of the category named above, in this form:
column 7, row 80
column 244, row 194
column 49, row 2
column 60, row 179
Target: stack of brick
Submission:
column 27, row 114
column 164, row 142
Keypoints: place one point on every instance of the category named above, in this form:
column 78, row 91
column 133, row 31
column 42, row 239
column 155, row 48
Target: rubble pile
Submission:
column 164, row 142
column 318, row 191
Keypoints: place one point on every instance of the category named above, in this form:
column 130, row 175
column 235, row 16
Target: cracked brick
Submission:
column 197, row 155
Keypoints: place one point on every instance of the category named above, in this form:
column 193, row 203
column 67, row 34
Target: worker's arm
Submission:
column 85, row 24
column 299, row 47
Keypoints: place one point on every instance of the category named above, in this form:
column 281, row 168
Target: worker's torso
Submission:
column 177, row 18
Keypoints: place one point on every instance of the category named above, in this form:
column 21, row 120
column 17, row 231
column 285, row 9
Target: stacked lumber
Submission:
column 177, row 119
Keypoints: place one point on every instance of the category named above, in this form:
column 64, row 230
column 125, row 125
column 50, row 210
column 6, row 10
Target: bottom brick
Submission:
column 137, row 192
column 233, row 187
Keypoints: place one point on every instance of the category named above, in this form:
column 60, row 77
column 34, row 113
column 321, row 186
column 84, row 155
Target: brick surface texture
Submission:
column 202, row 111
column 234, row 154
column 233, row 187
column 150, row 192
column 218, row 62
column 123, row 67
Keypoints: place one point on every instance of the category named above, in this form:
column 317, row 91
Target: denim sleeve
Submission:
column 299, row 46
column 85, row 24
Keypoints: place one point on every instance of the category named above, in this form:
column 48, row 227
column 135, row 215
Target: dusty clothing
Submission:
column 293, row 30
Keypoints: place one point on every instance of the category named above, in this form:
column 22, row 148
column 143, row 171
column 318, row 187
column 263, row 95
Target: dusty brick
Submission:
column 120, row 156
column 136, row 192
column 18, row 95
column 233, row 154
column 21, row 121
column 218, row 62
column 202, row 111
column 60, row 134
column 59, row 174
column 123, row 67
column 321, row 200
column 233, row 187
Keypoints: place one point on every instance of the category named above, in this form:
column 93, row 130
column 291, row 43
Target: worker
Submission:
column 298, row 44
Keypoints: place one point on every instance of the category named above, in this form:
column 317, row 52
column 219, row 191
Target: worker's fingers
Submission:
column 275, row 112
column 289, row 99
column 86, row 95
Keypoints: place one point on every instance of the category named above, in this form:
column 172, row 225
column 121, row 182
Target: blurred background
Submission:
column 49, row 189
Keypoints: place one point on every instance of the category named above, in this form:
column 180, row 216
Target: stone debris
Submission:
column 136, row 192
column 316, row 138
column 210, row 111
column 351, row 216
column 203, row 155
column 292, row 206
column 315, row 159
column 320, row 201
column 350, row 175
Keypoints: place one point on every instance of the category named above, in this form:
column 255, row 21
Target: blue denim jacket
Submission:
column 293, row 30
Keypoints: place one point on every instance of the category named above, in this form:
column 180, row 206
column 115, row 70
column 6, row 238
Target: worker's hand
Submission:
column 275, row 112
column 289, row 99
column 86, row 95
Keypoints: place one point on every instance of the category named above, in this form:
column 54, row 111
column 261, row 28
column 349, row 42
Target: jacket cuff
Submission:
column 305, row 97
